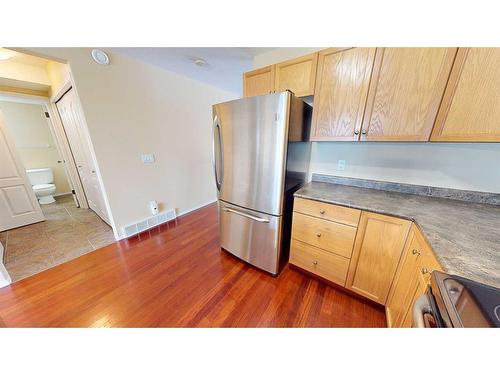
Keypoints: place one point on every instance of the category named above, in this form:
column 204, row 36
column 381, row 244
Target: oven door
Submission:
column 426, row 313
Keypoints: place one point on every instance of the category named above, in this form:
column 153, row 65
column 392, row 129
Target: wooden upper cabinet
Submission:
column 297, row 75
column 405, row 92
column 470, row 111
column 259, row 82
column 378, row 247
column 340, row 95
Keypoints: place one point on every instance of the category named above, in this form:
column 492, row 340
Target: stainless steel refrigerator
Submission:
column 261, row 154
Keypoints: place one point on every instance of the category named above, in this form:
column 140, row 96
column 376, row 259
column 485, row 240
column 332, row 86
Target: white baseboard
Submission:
column 180, row 213
column 61, row 194
column 196, row 208
column 4, row 275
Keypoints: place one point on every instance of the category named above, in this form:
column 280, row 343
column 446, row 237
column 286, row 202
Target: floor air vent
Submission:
column 148, row 223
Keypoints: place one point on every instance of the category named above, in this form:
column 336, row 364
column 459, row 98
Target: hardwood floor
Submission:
column 177, row 276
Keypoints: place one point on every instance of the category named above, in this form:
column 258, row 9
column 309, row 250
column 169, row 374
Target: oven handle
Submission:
column 420, row 308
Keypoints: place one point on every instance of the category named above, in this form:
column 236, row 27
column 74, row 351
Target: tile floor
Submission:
column 67, row 233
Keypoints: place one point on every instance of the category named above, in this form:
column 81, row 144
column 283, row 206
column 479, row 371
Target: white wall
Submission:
column 31, row 132
column 454, row 165
column 133, row 108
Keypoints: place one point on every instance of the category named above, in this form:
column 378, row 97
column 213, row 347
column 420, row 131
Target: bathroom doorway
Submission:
column 37, row 150
column 58, row 230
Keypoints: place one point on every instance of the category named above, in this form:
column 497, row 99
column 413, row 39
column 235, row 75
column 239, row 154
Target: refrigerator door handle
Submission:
column 259, row 219
column 217, row 138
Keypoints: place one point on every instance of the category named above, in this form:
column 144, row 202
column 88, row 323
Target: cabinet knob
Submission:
column 356, row 132
column 364, row 132
column 425, row 271
column 322, row 212
column 415, row 252
column 318, row 235
column 315, row 262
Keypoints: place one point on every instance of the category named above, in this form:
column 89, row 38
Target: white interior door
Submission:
column 18, row 203
column 68, row 108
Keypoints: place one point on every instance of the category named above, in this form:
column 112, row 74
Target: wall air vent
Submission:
column 148, row 223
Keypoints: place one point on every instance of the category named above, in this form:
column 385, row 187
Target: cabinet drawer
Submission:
column 344, row 215
column 327, row 235
column 327, row 265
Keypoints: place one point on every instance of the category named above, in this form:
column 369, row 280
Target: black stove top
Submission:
column 468, row 303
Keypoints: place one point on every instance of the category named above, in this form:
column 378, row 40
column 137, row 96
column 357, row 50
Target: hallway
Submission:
column 67, row 233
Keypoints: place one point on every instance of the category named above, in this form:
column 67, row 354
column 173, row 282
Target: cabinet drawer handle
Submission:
column 315, row 262
column 318, row 235
column 416, row 252
column 322, row 212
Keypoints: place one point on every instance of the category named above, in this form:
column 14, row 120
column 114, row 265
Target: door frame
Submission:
column 61, row 143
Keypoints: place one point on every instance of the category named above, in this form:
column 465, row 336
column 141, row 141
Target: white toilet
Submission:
column 42, row 181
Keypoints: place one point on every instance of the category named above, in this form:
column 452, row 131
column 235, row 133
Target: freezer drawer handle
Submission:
column 259, row 219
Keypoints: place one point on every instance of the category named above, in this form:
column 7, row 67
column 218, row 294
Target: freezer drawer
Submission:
column 251, row 236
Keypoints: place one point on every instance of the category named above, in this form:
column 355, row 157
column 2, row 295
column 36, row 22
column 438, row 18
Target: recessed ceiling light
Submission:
column 198, row 61
column 6, row 54
column 100, row 57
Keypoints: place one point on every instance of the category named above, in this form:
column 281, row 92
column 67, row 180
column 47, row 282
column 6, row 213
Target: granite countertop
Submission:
column 464, row 236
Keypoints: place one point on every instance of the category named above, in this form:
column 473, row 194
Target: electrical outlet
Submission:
column 148, row 158
column 341, row 165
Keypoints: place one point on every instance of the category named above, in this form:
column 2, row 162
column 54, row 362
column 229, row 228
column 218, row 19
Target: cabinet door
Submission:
column 406, row 89
column 417, row 290
column 258, row 82
column 297, row 75
column 377, row 249
column 406, row 280
column 470, row 110
column 341, row 91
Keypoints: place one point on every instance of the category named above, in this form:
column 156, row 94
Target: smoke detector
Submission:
column 198, row 61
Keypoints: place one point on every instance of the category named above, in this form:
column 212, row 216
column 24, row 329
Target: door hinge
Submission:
column 47, row 114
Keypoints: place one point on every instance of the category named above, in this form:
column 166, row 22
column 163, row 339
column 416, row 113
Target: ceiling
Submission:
column 23, row 58
column 224, row 69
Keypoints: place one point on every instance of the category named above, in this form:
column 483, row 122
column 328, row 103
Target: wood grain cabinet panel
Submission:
column 406, row 280
column 415, row 268
column 470, row 111
column 405, row 92
column 341, row 91
column 322, row 263
column 377, row 251
column 259, row 81
column 339, row 214
column 327, row 235
column 297, row 75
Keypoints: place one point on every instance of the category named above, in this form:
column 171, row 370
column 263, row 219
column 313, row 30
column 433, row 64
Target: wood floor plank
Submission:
column 176, row 275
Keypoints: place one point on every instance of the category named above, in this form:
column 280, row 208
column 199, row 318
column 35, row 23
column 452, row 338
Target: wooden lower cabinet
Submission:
column 377, row 250
column 380, row 257
column 327, row 265
column 327, row 235
column 411, row 279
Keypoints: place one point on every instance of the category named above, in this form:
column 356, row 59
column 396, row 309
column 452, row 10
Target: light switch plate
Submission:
column 148, row 158
column 341, row 165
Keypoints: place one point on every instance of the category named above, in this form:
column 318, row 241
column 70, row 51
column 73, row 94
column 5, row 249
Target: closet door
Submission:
column 71, row 119
column 340, row 94
column 406, row 89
